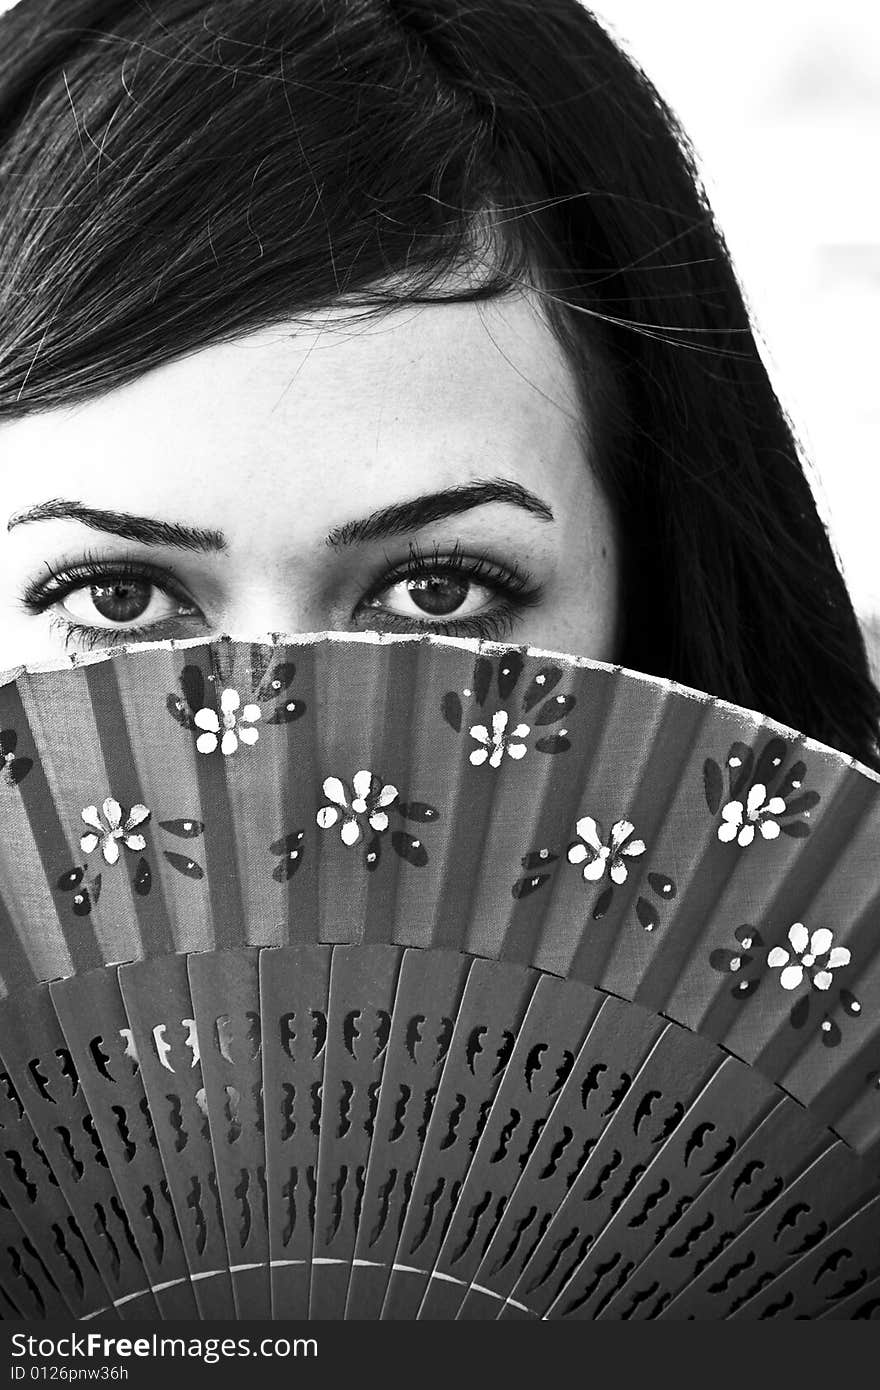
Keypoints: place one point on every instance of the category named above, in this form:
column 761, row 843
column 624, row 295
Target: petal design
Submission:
column 776, row 806
column 251, row 713
column 728, row 830
column 327, row 816
column 821, row 941
column 362, row 782
column 635, row 847
column 799, row 937
column 791, row 976
column 839, row 956
column 521, row 731
column 334, row 789
column 822, row 979
column 830, row 1032
column 350, row 832
column 479, row 756
column 89, row 842
column 777, row 958
column 480, row 733
column 755, row 799
column 143, row 878
column 733, row 812
column 110, row 849
column 451, row 710
column 516, row 750
column 379, row 820
column 136, row 816
column 184, row 865
column 769, row 829
column 184, row 829
column 595, row 868
column 499, row 721
column 206, row 719
column 578, row 852
column 386, row 795
column 112, row 813
column 229, row 742
column 248, row 735
column 746, row 835
column 618, row 872
column 620, row 831
column 590, row 832
column 726, row 962
column 91, row 817
column 230, row 701
column 136, row 842
column 800, row 1011
column 496, row 755
column 206, row 743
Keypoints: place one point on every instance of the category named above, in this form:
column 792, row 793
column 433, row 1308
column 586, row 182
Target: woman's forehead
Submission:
column 336, row 406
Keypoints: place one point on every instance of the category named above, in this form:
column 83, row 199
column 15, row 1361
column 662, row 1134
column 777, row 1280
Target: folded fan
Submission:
column 522, row 813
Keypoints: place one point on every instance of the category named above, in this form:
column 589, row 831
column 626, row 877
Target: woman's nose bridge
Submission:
column 275, row 603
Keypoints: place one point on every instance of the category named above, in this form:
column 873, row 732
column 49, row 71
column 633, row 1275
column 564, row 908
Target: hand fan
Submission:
column 554, row 840
column 378, row 1131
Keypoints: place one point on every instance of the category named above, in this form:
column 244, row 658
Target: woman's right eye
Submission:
column 120, row 601
column 96, row 602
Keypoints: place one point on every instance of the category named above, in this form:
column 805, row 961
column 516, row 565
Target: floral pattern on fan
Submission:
column 233, row 725
column 812, row 954
column 108, row 829
column 499, row 733
column 13, row 767
column 366, row 806
column 809, row 958
column 762, row 798
column 230, row 720
column 598, row 857
column 111, row 832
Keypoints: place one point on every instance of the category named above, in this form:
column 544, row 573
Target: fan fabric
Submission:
column 409, row 977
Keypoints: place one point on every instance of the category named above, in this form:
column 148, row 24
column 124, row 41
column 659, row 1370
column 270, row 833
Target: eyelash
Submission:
column 516, row 589
column 55, row 585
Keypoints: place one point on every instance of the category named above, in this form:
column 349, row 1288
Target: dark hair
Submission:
column 176, row 173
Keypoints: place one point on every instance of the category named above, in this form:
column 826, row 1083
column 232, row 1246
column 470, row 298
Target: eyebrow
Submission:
column 403, row 517
column 144, row 529
column 395, row 520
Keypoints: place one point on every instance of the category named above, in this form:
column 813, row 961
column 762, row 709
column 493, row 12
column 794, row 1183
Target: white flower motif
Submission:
column 816, row 955
column 370, row 798
column 237, row 727
column 596, row 857
column 500, row 741
column 111, row 830
column 740, row 822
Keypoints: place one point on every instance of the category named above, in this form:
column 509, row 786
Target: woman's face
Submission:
column 423, row 470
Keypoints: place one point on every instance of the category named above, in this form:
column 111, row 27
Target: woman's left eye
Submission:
column 434, row 595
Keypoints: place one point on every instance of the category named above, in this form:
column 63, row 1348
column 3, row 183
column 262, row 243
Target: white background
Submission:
column 781, row 99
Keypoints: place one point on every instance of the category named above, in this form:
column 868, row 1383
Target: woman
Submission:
column 397, row 314
column 409, row 315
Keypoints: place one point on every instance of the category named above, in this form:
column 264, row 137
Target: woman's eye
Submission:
column 435, row 595
column 120, row 601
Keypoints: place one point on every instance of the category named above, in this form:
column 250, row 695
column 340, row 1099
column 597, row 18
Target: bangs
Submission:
column 197, row 187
